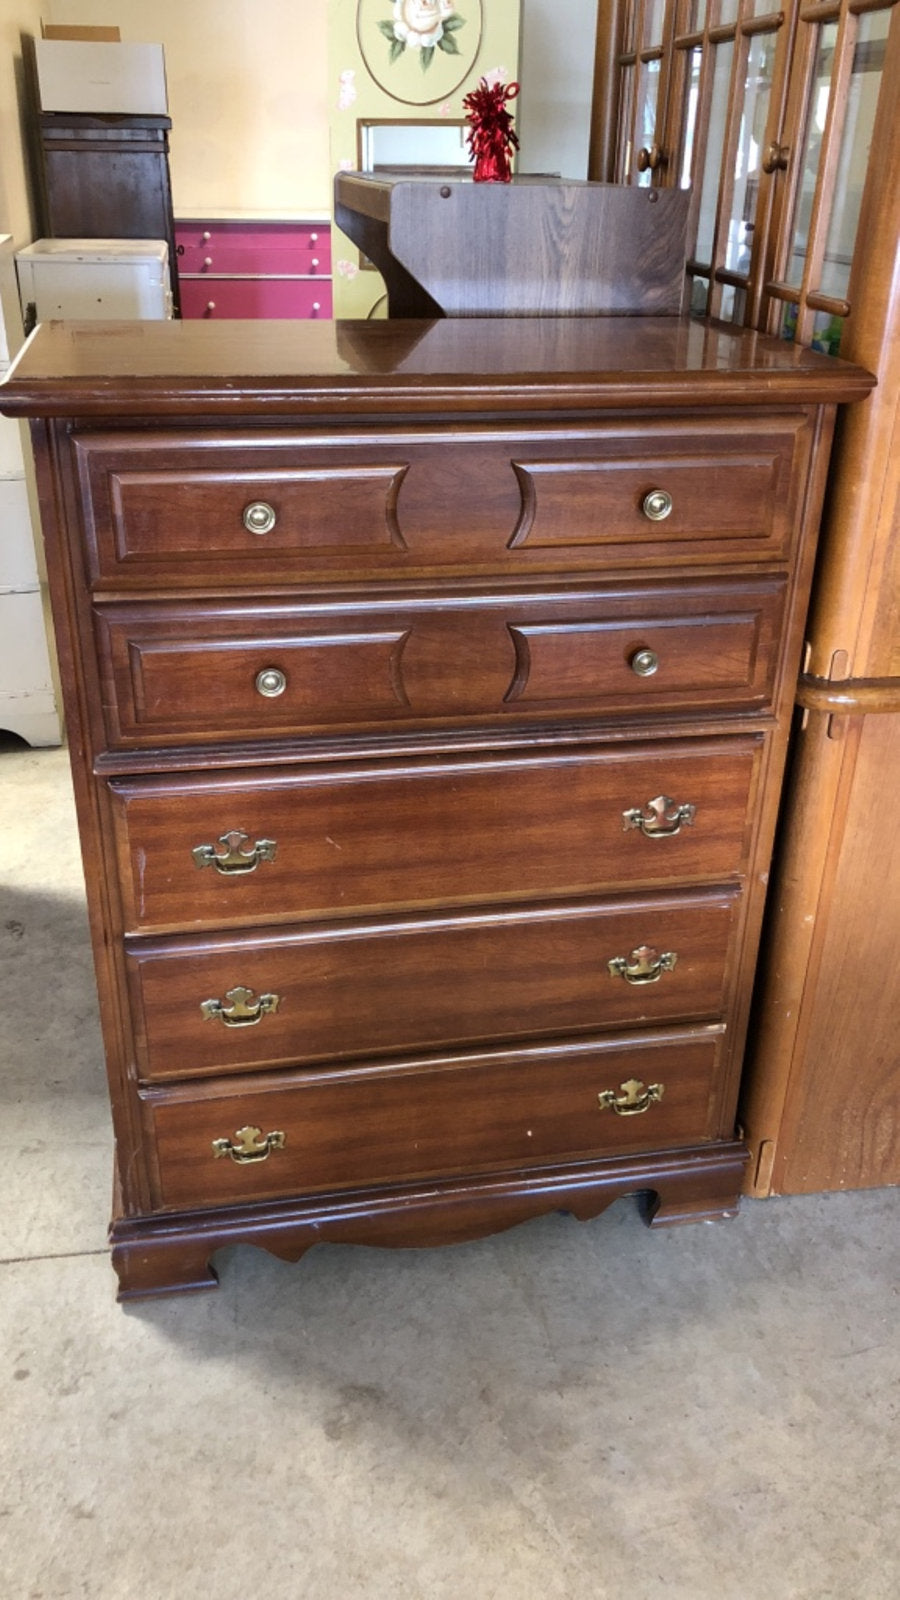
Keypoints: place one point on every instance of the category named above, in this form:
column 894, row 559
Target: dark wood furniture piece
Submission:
column 428, row 690
column 107, row 177
column 532, row 247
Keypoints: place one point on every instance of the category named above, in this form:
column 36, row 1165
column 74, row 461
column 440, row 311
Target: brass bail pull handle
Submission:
column 643, row 965
column 233, row 858
column 248, row 1145
column 244, row 1007
column 634, row 1100
column 660, row 818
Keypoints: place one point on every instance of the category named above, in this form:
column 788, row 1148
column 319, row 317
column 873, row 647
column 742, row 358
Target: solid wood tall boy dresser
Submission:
column 428, row 688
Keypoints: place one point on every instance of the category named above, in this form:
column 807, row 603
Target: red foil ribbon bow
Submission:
column 491, row 138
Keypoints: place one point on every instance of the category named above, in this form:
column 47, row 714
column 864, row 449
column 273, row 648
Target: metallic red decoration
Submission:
column 491, row 138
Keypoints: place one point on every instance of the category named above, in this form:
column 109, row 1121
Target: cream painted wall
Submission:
column 251, row 99
column 247, row 86
column 17, row 17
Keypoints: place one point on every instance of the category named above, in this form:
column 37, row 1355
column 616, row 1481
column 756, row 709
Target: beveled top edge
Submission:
column 460, row 364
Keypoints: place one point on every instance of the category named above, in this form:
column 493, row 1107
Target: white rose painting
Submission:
column 423, row 25
column 419, row 51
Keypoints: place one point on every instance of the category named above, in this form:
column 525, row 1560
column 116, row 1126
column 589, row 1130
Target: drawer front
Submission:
column 202, row 673
column 255, row 299
column 264, row 846
column 439, row 981
column 171, row 507
column 512, row 1109
column 239, row 248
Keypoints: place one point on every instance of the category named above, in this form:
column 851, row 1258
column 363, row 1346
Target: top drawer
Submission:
column 216, row 508
column 259, row 247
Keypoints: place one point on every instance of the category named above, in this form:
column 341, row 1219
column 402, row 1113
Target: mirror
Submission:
column 411, row 145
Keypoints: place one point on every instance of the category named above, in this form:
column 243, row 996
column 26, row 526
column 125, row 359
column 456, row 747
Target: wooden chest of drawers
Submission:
column 428, row 692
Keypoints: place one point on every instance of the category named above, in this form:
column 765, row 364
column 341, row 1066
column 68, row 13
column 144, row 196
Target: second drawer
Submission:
column 336, row 992
column 206, row 672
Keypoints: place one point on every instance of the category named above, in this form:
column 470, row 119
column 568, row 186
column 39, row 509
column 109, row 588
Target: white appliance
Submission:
column 27, row 696
column 84, row 75
column 94, row 278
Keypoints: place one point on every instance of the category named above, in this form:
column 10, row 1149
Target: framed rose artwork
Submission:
column 419, row 51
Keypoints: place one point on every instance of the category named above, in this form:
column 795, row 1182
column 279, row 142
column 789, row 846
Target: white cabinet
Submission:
column 27, row 698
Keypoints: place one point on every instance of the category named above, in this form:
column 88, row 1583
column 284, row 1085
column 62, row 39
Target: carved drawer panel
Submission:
column 283, row 844
column 380, row 1125
column 332, row 992
column 181, row 672
column 200, row 508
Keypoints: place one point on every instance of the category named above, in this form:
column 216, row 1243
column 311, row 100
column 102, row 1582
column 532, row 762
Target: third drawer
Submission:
column 283, row 844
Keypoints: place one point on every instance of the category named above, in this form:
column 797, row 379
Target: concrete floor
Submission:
column 566, row 1412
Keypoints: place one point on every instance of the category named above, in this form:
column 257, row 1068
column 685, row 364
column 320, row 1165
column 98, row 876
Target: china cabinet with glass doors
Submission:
column 784, row 126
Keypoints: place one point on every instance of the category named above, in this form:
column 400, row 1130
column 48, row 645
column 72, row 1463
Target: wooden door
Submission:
column 786, row 128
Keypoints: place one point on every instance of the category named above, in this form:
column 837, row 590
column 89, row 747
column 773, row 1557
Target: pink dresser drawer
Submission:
column 255, row 298
column 298, row 249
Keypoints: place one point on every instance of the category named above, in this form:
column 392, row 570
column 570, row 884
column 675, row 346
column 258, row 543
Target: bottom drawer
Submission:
column 349, row 1129
column 255, row 298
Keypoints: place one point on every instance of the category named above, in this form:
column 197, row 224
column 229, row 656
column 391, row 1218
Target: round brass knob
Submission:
column 657, row 504
column 644, row 663
column 259, row 517
column 271, row 682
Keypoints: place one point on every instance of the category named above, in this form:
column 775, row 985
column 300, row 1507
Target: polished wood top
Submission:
column 526, row 364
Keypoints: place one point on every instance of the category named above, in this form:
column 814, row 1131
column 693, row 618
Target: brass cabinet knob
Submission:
column 644, row 663
column 657, row 504
column 634, row 1099
column 259, row 517
column 271, row 682
column 652, row 159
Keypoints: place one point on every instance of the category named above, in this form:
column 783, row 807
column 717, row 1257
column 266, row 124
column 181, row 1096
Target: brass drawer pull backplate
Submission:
column 634, row 1100
column 643, row 965
column 234, row 859
column 661, row 818
column 244, row 1008
column 248, row 1145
